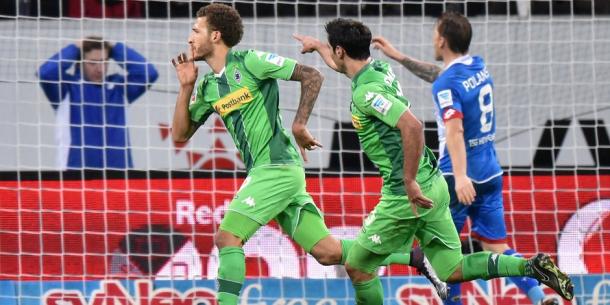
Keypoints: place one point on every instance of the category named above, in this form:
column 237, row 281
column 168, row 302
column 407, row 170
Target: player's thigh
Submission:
column 309, row 231
column 437, row 234
column 487, row 212
column 239, row 225
column 266, row 192
column 389, row 228
column 363, row 259
column 301, row 219
column 459, row 211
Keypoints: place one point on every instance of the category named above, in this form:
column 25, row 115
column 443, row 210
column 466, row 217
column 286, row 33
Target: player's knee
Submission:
column 327, row 252
column 224, row 239
column 327, row 259
column 356, row 275
column 495, row 247
column 456, row 276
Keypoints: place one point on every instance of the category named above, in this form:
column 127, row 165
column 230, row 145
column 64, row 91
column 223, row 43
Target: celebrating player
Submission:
column 392, row 137
column 463, row 96
column 242, row 88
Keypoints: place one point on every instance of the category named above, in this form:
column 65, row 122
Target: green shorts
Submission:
column 274, row 192
column 392, row 225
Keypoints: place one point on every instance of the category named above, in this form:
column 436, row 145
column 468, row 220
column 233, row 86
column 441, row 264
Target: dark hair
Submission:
column 226, row 20
column 456, row 29
column 351, row 35
column 94, row 43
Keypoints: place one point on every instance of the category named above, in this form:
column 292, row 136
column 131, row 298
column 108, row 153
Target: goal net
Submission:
column 140, row 230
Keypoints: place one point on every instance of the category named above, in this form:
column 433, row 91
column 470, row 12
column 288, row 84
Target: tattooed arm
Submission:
column 424, row 70
column 311, row 81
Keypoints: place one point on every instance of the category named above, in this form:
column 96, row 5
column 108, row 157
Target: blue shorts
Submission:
column 486, row 212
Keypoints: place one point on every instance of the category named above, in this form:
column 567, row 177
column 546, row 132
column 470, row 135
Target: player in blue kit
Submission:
column 464, row 102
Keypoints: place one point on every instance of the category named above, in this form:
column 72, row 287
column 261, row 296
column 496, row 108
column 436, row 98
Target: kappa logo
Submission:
column 376, row 239
column 233, row 101
column 249, row 201
column 449, row 114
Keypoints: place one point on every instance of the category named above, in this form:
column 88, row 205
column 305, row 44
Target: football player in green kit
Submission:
column 243, row 90
column 414, row 198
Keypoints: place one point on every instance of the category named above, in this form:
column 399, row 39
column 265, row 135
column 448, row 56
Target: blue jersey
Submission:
column 92, row 120
column 465, row 90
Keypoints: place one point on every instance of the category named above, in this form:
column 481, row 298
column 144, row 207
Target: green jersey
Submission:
column 377, row 104
column 246, row 97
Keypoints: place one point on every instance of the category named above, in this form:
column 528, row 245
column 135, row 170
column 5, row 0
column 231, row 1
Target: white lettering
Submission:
column 482, row 140
column 184, row 210
column 475, row 80
column 203, row 215
column 600, row 298
column 245, row 295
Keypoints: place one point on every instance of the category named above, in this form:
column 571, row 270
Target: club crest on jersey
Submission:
column 275, row 59
column 233, row 101
column 237, row 76
column 381, row 104
column 444, row 98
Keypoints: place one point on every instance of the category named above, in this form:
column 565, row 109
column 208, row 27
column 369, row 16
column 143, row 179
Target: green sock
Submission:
column 231, row 274
column 487, row 265
column 369, row 293
column 394, row 258
column 346, row 245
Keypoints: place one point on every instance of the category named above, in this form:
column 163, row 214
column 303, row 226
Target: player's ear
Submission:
column 216, row 35
column 441, row 42
column 340, row 52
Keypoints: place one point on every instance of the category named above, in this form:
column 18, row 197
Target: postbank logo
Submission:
column 233, row 101
column 356, row 122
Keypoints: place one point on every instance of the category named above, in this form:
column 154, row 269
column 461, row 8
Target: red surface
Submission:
column 64, row 229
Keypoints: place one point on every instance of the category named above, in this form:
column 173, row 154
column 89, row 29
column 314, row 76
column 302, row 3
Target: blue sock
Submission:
column 455, row 295
column 527, row 285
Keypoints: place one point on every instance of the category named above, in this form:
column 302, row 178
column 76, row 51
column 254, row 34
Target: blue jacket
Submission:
column 96, row 114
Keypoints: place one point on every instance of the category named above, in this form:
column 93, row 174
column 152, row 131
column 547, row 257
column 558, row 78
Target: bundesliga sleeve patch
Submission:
column 193, row 96
column 381, row 105
column 275, row 59
column 444, row 98
column 451, row 113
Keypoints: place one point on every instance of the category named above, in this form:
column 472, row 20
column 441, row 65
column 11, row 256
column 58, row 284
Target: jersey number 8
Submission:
column 486, row 108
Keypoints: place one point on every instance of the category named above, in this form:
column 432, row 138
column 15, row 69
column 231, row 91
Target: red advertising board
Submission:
column 94, row 229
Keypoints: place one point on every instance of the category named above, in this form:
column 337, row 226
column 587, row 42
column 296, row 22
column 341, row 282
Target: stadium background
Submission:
column 88, row 236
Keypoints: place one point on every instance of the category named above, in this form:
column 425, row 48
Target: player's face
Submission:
column 94, row 65
column 438, row 43
column 200, row 39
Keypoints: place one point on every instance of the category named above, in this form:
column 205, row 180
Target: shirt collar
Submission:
column 466, row 60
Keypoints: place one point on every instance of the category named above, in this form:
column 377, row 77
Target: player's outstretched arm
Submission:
column 186, row 70
column 311, row 44
column 412, row 134
column 311, row 82
column 424, row 70
column 457, row 150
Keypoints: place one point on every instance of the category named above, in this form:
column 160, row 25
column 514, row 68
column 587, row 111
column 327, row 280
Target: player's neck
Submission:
column 353, row 66
column 218, row 59
column 450, row 57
